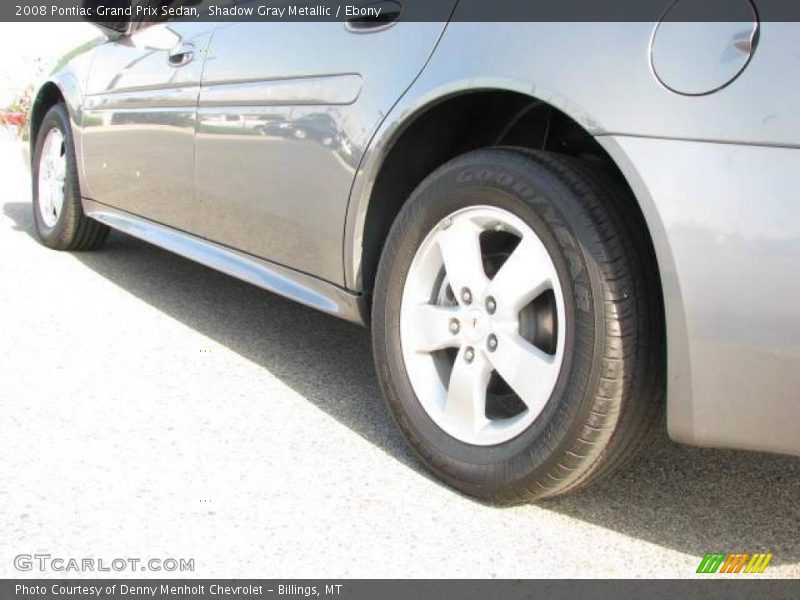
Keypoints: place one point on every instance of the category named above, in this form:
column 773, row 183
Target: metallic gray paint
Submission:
column 277, row 209
column 729, row 253
column 138, row 127
column 290, row 180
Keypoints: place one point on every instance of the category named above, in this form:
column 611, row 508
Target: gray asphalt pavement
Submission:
column 154, row 408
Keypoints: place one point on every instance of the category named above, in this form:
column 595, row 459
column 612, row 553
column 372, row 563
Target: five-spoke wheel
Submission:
column 479, row 325
column 513, row 314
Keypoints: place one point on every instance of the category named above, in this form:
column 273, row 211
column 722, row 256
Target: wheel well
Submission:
column 460, row 124
column 49, row 95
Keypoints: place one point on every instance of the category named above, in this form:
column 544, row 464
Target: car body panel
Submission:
column 138, row 125
column 729, row 255
column 264, row 125
column 68, row 79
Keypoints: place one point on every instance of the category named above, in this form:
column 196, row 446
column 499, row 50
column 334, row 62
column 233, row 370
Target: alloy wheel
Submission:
column 482, row 325
column 52, row 177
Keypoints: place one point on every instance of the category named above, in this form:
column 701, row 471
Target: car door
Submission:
column 138, row 124
column 286, row 111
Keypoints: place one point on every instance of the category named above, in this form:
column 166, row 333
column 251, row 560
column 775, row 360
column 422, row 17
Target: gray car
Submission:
column 557, row 232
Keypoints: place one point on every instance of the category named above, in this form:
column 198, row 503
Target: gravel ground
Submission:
column 155, row 408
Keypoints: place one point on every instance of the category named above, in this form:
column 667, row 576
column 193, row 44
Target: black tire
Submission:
column 610, row 388
column 73, row 230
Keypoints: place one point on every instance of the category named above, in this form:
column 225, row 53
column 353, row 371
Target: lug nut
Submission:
column 469, row 354
column 491, row 305
column 466, row 296
column 455, row 326
column 492, row 343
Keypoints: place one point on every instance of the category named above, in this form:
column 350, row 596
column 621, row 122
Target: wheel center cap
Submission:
column 476, row 325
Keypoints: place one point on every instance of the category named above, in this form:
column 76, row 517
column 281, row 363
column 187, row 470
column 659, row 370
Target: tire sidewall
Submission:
column 525, row 189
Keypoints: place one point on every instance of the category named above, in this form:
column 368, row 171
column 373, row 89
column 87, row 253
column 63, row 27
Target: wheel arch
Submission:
column 372, row 210
column 416, row 139
column 48, row 95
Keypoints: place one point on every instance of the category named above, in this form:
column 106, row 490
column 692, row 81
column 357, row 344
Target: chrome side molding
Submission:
column 302, row 288
column 341, row 89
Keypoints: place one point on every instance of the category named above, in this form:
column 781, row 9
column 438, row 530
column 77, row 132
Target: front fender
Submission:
column 64, row 84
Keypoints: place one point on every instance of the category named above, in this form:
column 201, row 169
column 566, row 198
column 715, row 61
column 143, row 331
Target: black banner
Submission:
column 389, row 11
column 729, row 587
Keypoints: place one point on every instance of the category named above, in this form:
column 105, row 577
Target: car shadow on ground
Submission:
column 692, row 500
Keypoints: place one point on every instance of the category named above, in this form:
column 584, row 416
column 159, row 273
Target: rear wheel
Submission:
column 516, row 326
column 60, row 221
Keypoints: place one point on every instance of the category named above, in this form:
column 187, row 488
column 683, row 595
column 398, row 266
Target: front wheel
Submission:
column 60, row 221
column 515, row 325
